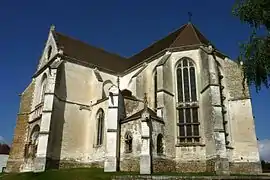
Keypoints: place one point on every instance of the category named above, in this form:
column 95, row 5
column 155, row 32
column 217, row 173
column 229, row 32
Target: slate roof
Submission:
column 187, row 35
column 138, row 114
column 4, row 149
column 84, row 52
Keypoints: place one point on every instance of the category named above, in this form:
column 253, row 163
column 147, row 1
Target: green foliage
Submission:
column 255, row 54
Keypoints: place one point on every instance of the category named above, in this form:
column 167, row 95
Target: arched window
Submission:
column 187, row 105
column 155, row 90
column 49, row 52
column 100, row 126
column 128, row 142
column 43, row 87
column 160, row 144
column 34, row 141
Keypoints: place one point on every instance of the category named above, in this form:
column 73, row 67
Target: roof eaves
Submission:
column 87, row 64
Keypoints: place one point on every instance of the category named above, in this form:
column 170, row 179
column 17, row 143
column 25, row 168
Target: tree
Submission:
column 255, row 54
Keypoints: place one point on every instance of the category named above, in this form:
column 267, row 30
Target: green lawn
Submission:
column 65, row 174
column 85, row 174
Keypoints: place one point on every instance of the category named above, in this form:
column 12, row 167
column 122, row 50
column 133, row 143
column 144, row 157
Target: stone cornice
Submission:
column 40, row 70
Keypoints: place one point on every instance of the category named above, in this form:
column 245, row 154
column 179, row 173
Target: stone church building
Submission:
column 178, row 105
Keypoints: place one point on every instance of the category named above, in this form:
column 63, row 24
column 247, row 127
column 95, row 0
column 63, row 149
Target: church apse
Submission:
column 165, row 109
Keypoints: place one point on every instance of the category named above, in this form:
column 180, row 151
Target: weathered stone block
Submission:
column 145, row 164
column 163, row 165
column 190, row 166
column 16, row 155
column 245, row 167
column 130, row 164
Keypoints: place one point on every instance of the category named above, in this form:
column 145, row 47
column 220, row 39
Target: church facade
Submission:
column 178, row 105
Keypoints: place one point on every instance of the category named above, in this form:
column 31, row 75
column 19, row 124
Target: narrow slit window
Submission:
column 100, row 126
column 128, row 142
column 160, row 144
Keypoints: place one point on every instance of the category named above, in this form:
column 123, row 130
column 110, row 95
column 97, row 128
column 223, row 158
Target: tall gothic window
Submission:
column 128, row 142
column 43, row 87
column 33, row 142
column 187, row 106
column 100, row 126
column 155, row 90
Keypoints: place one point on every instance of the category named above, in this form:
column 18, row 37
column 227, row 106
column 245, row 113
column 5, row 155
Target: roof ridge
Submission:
column 184, row 26
column 200, row 33
column 164, row 37
column 195, row 32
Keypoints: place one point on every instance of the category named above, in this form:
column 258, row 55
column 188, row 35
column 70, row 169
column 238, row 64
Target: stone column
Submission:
column 145, row 157
column 219, row 161
column 112, row 144
column 42, row 154
column 160, row 92
column 165, row 105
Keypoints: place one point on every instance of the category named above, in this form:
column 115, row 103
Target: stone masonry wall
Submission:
column 16, row 156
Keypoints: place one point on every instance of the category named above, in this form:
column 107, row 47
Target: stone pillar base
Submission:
column 145, row 164
column 14, row 166
column 219, row 166
column 40, row 164
column 246, row 167
column 110, row 164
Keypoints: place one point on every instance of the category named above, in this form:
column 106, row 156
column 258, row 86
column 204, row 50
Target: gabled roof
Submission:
column 137, row 115
column 187, row 35
column 81, row 51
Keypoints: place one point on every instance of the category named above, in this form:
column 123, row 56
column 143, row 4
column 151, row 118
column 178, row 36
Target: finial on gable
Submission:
column 52, row 28
column 189, row 17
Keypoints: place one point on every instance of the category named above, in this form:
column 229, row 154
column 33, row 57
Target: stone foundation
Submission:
column 14, row 165
column 163, row 165
column 190, row 166
column 245, row 168
column 219, row 166
column 65, row 164
column 130, row 164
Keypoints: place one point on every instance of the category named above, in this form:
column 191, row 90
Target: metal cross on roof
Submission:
column 189, row 16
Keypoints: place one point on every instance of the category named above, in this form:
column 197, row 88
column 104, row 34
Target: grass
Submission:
column 85, row 174
column 65, row 174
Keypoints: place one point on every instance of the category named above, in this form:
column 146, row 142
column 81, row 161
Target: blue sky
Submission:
column 123, row 27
